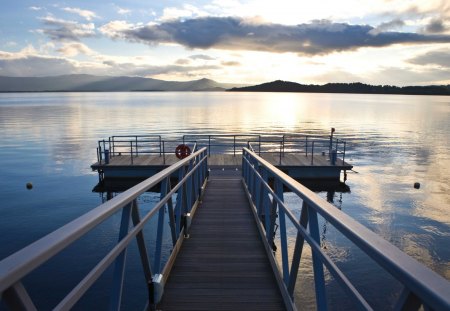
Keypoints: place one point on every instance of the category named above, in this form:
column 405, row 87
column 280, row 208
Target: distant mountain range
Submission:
column 90, row 83
column 286, row 86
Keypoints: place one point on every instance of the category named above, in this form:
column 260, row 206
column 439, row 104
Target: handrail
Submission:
column 420, row 284
column 192, row 174
column 135, row 145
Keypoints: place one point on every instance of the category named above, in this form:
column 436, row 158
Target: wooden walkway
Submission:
column 223, row 265
column 289, row 159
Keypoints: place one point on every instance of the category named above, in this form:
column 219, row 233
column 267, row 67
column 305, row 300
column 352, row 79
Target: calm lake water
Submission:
column 50, row 139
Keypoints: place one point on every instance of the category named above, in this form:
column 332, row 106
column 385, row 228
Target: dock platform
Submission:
column 300, row 156
column 223, row 265
column 295, row 165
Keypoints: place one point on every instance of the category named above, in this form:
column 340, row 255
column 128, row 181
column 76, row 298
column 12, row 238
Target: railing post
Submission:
column 319, row 279
column 137, row 149
column 160, row 229
column 17, row 298
column 298, row 250
column 159, row 145
column 343, row 155
column 119, row 269
column 189, row 188
column 283, row 233
column 113, row 146
column 179, row 204
column 281, row 147
column 265, row 203
column 209, row 145
column 259, row 149
column 306, row 145
column 109, row 146
column 164, row 154
column 131, row 151
column 312, row 153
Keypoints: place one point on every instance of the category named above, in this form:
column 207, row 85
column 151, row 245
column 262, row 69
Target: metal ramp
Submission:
column 223, row 265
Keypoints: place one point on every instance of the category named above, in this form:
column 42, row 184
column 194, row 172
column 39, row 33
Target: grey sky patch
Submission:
column 62, row 30
column 439, row 57
column 232, row 33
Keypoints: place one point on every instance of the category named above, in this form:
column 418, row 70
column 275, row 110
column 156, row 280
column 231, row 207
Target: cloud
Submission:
column 436, row 25
column 62, row 30
column 10, row 44
column 231, row 63
column 128, row 68
column 182, row 61
column 26, row 65
column 403, row 76
column 123, row 11
column 88, row 15
column 74, row 48
column 202, row 57
column 35, row 8
column 173, row 13
column 232, row 33
column 439, row 57
column 383, row 27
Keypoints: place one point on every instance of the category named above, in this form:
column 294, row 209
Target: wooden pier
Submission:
column 300, row 156
column 223, row 265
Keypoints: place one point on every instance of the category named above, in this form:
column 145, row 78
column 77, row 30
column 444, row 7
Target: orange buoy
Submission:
column 182, row 151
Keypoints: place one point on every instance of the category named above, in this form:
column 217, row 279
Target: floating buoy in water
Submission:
column 416, row 185
column 29, row 186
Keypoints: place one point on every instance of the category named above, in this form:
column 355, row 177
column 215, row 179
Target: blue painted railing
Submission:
column 192, row 173
column 421, row 286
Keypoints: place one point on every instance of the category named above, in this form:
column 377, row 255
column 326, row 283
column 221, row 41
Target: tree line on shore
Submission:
column 356, row 87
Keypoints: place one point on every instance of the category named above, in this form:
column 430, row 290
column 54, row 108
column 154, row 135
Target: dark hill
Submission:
column 358, row 88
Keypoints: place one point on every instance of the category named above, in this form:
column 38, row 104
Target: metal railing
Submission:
column 310, row 146
column 192, row 173
column 281, row 144
column 221, row 143
column 137, row 145
column 421, row 286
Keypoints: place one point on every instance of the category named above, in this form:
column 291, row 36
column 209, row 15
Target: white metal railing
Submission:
column 421, row 286
column 192, row 173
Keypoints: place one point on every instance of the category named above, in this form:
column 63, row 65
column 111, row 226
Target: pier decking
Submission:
column 223, row 265
column 301, row 157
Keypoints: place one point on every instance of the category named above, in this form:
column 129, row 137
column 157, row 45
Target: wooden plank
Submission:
column 223, row 265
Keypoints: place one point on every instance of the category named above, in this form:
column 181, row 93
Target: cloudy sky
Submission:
column 400, row 42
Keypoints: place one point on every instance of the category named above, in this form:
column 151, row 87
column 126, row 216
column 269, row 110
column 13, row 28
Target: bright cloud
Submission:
column 74, row 49
column 88, row 15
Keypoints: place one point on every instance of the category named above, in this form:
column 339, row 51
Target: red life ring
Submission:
column 182, row 151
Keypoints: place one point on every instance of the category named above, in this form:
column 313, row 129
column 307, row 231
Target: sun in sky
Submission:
column 396, row 42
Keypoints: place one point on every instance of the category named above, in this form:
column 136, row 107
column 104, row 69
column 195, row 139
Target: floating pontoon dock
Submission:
column 300, row 156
